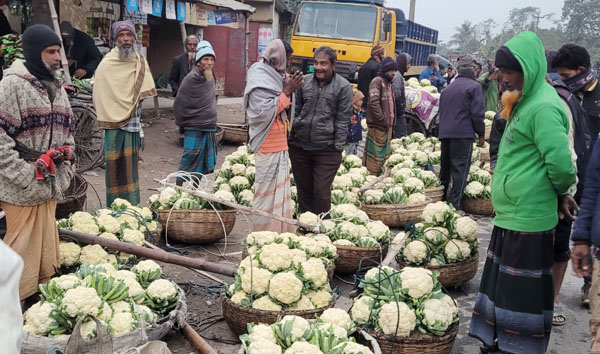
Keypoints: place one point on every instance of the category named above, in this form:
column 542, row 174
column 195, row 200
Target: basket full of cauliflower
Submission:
column 406, row 311
column 354, row 235
column 330, row 333
column 445, row 242
column 283, row 274
column 131, row 304
column 478, row 193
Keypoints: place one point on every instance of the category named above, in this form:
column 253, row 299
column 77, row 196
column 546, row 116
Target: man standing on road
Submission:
column 81, row 51
column 403, row 60
column 123, row 80
column 319, row 131
column 489, row 84
column 461, row 118
column 267, row 99
column 195, row 111
column 183, row 63
column 36, row 154
column 381, row 114
column 368, row 71
column 514, row 306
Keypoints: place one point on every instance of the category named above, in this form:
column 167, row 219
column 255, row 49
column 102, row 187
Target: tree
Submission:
column 465, row 39
column 582, row 19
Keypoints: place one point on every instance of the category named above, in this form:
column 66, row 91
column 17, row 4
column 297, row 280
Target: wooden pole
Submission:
column 158, row 255
column 244, row 208
column 63, row 56
column 197, row 341
column 375, row 181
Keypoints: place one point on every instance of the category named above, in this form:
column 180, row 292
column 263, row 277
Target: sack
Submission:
column 354, row 128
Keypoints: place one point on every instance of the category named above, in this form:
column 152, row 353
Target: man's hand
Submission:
column 494, row 75
column 566, row 204
column 481, row 141
column 70, row 62
column 291, row 84
column 79, row 73
column 435, row 78
column 580, row 256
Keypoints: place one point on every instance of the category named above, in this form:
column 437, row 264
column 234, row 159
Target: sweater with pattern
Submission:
column 27, row 117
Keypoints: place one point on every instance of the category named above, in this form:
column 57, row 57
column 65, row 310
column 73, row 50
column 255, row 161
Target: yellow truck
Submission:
column 352, row 29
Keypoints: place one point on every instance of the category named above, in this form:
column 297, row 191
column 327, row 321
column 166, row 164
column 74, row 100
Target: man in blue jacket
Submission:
column 432, row 73
column 461, row 118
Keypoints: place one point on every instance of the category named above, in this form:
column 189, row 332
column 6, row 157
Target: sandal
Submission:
column 489, row 349
column 559, row 319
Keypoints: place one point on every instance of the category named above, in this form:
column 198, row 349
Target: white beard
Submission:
column 55, row 73
column 126, row 54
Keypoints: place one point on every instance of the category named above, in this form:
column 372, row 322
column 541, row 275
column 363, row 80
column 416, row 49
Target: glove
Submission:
column 54, row 154
column 44, row 167
column 67, row 153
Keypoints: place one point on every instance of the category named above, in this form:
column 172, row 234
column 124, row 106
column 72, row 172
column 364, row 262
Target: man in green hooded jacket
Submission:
column 514, row 306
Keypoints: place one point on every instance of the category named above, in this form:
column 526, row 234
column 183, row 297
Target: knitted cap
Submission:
column 388, row 64
column 204, row 49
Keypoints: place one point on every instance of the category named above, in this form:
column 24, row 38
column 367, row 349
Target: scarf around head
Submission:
column 402, row 60
column 119, row 26
column 35, row 39
column 579, row 81
column 275, row 56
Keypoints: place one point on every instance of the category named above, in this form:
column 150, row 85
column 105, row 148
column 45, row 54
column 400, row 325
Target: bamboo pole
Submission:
column 375, row 181
column 244, row 208
column 196, row 340
column 158, row 255
column 63, row 56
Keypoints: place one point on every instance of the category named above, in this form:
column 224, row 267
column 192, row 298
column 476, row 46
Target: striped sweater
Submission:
column 29, row 118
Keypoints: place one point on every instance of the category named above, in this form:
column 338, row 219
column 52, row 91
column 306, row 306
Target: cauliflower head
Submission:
column 299, row 325
column 66, row 282
column 417, row 281
column 313, row 269
column 436, row 235
column 256, row 280
column 434, row 213
column 122, row 322
column 457, row 250
column 361, row 310
column 264, row 332
column 437, row 315
column 285, row 287
column 276, row 257
column 466, row 228
column 109, row 223
column 338, row 317
column 161, row 289
column 319, row 298
column 38, row 317
column 81, row 301
column 354, row 348
column 93, row 254
column 265, row 303
column 309, row 218
column 415, row 252
column 263, row 346
column 69, row 253
column 303, row 304
column 133, row 236
column 303, row 348
column 396, row 318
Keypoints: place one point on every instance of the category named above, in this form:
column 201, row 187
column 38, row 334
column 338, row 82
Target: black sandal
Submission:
column 489, row 349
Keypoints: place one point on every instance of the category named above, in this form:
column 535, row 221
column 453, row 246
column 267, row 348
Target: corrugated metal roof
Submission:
column 229, row 4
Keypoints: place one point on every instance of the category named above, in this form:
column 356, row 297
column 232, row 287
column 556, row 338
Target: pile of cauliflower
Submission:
column 425, row 85
column 443, row 237
column 401, row 302
column 171, row 198
column 479, row 183
column 348, row 226
column 122, row 222
column 283, row 272
column 237, row 175
column 329, row 333
column 121, row 299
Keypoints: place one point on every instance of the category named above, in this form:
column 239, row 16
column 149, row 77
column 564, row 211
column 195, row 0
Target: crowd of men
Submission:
column 544, row 164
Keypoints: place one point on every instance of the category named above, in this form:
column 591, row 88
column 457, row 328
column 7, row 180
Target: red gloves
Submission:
column 67, row 153
column 44, row 167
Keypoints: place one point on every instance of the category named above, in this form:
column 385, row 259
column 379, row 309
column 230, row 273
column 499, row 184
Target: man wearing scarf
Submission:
column 195, row 111
column 36, row 154
column 123, row 79
column 381, row 113
column 403, row 60
column 267, row 99
column 514, row 307
column 461, row 119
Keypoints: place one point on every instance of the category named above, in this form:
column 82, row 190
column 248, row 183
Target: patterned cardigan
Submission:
column 29, row 118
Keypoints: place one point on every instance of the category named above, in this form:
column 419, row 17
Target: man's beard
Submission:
column 509, row 100
column 208, row 74
column 55, row 73
column 126, row 53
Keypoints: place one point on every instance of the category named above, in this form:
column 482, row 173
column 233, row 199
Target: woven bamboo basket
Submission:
column 197, row 226
column 416, row 343
column 238, row 317
column 75, row 197
column 219, row 134
column 395, row 214
column 453, row 274
column 235, row 134
column 436, row 194
column 155, row 235
column 330, row 269
column 478, row 206
column 349, row 257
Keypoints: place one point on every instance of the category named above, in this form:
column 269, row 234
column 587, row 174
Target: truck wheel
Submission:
column 414, row 124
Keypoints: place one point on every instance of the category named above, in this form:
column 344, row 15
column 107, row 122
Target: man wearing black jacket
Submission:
column 368, row 71
column 183, row 63
column 82, row 54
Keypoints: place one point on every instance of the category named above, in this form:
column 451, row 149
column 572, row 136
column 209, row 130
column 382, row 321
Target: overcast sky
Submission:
column 445, row 15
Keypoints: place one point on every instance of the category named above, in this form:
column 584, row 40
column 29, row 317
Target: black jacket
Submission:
column 84, row 53
column 179, row 71
column 322, row 113
column 462, row 110
column 366, row 74
column 498, row 126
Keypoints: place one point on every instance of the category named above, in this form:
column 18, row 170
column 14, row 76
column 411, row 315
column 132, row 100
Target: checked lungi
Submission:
column 199, row 152
column 516, row 298
column 377, row 149
column 121, row 149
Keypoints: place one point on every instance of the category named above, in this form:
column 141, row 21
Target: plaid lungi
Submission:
column 121, row 149
column 199, row 152
column 515, row 302
column 377, row 149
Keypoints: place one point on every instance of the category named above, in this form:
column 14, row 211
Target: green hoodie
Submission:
column 534, row 161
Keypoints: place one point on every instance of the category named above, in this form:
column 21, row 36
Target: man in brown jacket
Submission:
column 381, row 112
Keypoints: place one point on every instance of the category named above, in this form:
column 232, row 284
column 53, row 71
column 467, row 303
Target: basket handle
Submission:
column 103, row 340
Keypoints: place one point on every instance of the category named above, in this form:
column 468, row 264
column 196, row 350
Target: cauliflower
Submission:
column 81, row 217
column 222, row 187
column 434, row 213
column 302, row 304
column 397, row 319
column 145, row 313
column 451, row 304
column 109, row 223
column 276, row 257
column 120, row 203
column 344, row 242
column 93, row 254
column 105, row 313
column 437, row 315
column 263, row 346
column 109, row 236
column 90, row 228
column 121, row 306
column 322, row 238
column 225, row 195
column 314, row 270
column 133, row 236
column 122, row 322
column 309, row 218
column 261, row 237
column 474, row 189
column 466, row 228
column 303, row 348
column 161, row 289
column 238, row 297
column 167, row 195
column 135, row 288
column 436, row 235
column 299, row 326
column 312, row 246
column 378, row 230
column 37, row 317
column 457, row 250
column 354, row 348
column 81, row 301
column 262, row 331
column 88, row 329
column 238, row 169
column 256, row 281
column 319, row 298
column 245, row 265
column 239, row 183
column 415, row 252
column 337, row 331
column 400, row 173
column 285, row 287
column 69, row 253
column 265, row 303
column 416, row 198
column 130, row 220
column 420, row 157
column 361, row 310
column 353, row 161
column 343, row 182
column 417, row 281
column 66, row 282
column 412, row 185
column 247, row 196
column 338, row 317
column 373, row 196
column 298, row 256
column 147, row 265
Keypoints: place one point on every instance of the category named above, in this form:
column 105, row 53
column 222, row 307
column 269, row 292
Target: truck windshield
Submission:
column 337, row 21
